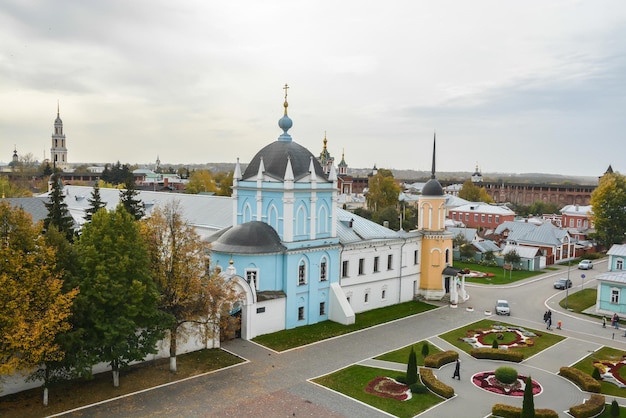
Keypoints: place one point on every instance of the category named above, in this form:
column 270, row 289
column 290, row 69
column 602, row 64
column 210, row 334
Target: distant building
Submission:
column 58, row 152
column 611, row 289
column 481, row 215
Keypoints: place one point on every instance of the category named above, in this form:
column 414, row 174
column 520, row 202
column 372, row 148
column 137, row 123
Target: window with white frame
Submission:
column 361, row 266
column 322, row 308
column 344, row 268
column 301, row 313
column 252, row 278
column 323, row 266
column 619, row 264
column 376, row 260
column 390, row 262
column 416, row 259
column 301, row 273
column 614, row 295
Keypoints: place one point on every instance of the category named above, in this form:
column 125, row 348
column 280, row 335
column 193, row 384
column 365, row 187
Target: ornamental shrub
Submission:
column 411, row 368
column 596, row 374
column 431, row 382
column 439, row 359
column 614, row 409
column 594, row 406
column 506, row 375
column 425, row 349
column 418, row 388
column 582, row 379
column 494, row 344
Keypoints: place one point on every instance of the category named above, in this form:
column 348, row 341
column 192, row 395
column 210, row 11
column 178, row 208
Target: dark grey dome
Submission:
column 253, row 237
column 432, row 188
column 275, row 161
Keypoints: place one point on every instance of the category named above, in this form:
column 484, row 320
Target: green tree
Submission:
column 608, row 203
column 540, row 207
column 179, row 264
column 512, row 257
column 58, row 213
column 389, row 214
column 614, row 409
column 201, row 181
column 117, row 308
column 128, row 199
column 411, row 368
column 95, row 202
column 528, row 403
column 35, row 308
column 467, row 251
column 425, row 349
column 382, row 191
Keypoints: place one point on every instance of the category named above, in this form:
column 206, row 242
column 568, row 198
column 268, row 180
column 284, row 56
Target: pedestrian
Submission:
column 457, row 370
column 545, row 318
column 616, row 321
column 549, row 323
column 558, row 324
column 603, row 321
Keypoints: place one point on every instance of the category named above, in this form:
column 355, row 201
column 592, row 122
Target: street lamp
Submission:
column 567, row 284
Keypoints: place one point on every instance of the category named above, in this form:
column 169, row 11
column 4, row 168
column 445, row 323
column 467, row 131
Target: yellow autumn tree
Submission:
column 201, row 181
column 35, row 309
column 179, row 265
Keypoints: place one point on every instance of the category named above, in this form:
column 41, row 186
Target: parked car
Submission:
column 502, row 307
column 585, row 265
column 562, row 284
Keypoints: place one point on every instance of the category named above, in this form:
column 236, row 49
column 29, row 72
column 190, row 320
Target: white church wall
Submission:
column 269, row 317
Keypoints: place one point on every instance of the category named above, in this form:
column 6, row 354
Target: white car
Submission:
column 585, row 265
column 502, row 307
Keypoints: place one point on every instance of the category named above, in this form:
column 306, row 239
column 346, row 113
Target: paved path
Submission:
column 277, row 384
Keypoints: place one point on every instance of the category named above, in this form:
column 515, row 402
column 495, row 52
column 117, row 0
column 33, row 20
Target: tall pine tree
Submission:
column 128, row 199
column 95, row 202
column 58, row 213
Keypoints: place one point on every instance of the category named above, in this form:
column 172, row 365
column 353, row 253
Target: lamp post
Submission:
column 567, row 285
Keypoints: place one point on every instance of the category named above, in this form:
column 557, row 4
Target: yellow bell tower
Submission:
column 436, row 241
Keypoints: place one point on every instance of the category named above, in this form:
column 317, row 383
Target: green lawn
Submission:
column 501, row 276
column 402, row 355
column 607, row 412
column 543, row 341
column 605, row 353
column 296, row 337
column 579, row 301
column 352, row 381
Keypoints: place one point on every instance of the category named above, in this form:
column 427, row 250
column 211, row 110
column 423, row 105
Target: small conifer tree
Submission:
column 528, row 404
column 425, row 349
column 411, row 369
column 494, row 344
column 614, row 409
column 596, row 374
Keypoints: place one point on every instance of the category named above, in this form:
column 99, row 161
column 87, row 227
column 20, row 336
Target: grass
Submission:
column 296, row 337
column 402, row 355
column 607, row 412
column 579, row 301
column 605, row 353
column 73, row 394
column 543, row 341
column 500, row 277
column 352, row 380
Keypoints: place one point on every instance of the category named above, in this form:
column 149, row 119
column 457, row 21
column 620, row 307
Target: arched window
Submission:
column 247, row 213
column 323, row 269
column 301, row 221
column 301, row 273
column 322, row 220
column 272, row 217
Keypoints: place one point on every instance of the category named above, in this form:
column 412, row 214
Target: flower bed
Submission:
column 386, row 387
column 523, row 338
column 609, row 371
column 487, row 381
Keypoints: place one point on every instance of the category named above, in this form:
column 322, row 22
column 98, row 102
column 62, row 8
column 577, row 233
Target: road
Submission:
column 277, row 384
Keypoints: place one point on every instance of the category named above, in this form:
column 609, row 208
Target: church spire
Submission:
column 432, row 175
column 285, row 123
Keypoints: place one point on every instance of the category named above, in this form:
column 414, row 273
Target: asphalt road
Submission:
column 277, row 385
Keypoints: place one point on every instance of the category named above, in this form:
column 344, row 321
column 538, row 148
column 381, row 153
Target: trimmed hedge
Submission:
column 497, row 354
column 509, row 411
column 582, row 379
column 506, row 374
column 439, row 359
column 431, row 382
column 594, row 406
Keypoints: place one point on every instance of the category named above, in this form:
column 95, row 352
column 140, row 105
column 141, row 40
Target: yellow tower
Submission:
column 436, row 241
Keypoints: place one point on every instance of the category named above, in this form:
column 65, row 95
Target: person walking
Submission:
column 457, row 370
column 603, row 321
column 549, row 323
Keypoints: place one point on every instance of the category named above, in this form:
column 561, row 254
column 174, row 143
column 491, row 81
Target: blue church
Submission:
column 298, row 259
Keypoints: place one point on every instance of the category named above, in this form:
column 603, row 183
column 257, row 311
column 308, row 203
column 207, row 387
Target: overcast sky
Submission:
column 513, row 86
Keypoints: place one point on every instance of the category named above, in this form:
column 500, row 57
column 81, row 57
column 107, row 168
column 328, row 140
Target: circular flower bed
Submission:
column 386, row 387
column 515, row 337
column 487, row 381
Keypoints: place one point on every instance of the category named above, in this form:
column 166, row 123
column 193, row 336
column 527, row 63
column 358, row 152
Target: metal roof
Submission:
column 617, row 249
column 615, row 277
column 529, row 233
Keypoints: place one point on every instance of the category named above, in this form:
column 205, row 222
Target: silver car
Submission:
column 502, row 307
column 585, row 265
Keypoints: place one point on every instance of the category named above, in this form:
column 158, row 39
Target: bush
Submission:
column 494, row 344
column 401, row 379
column 596, row 374
column 411, row 368
column 434, row 384
column 418, row 388
column 594, row 406
column 509, row 411
column 497, row 354
column 425, row 349
column 582, row 379
column 506, row 375
column 614, row 409
column 439, row 359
